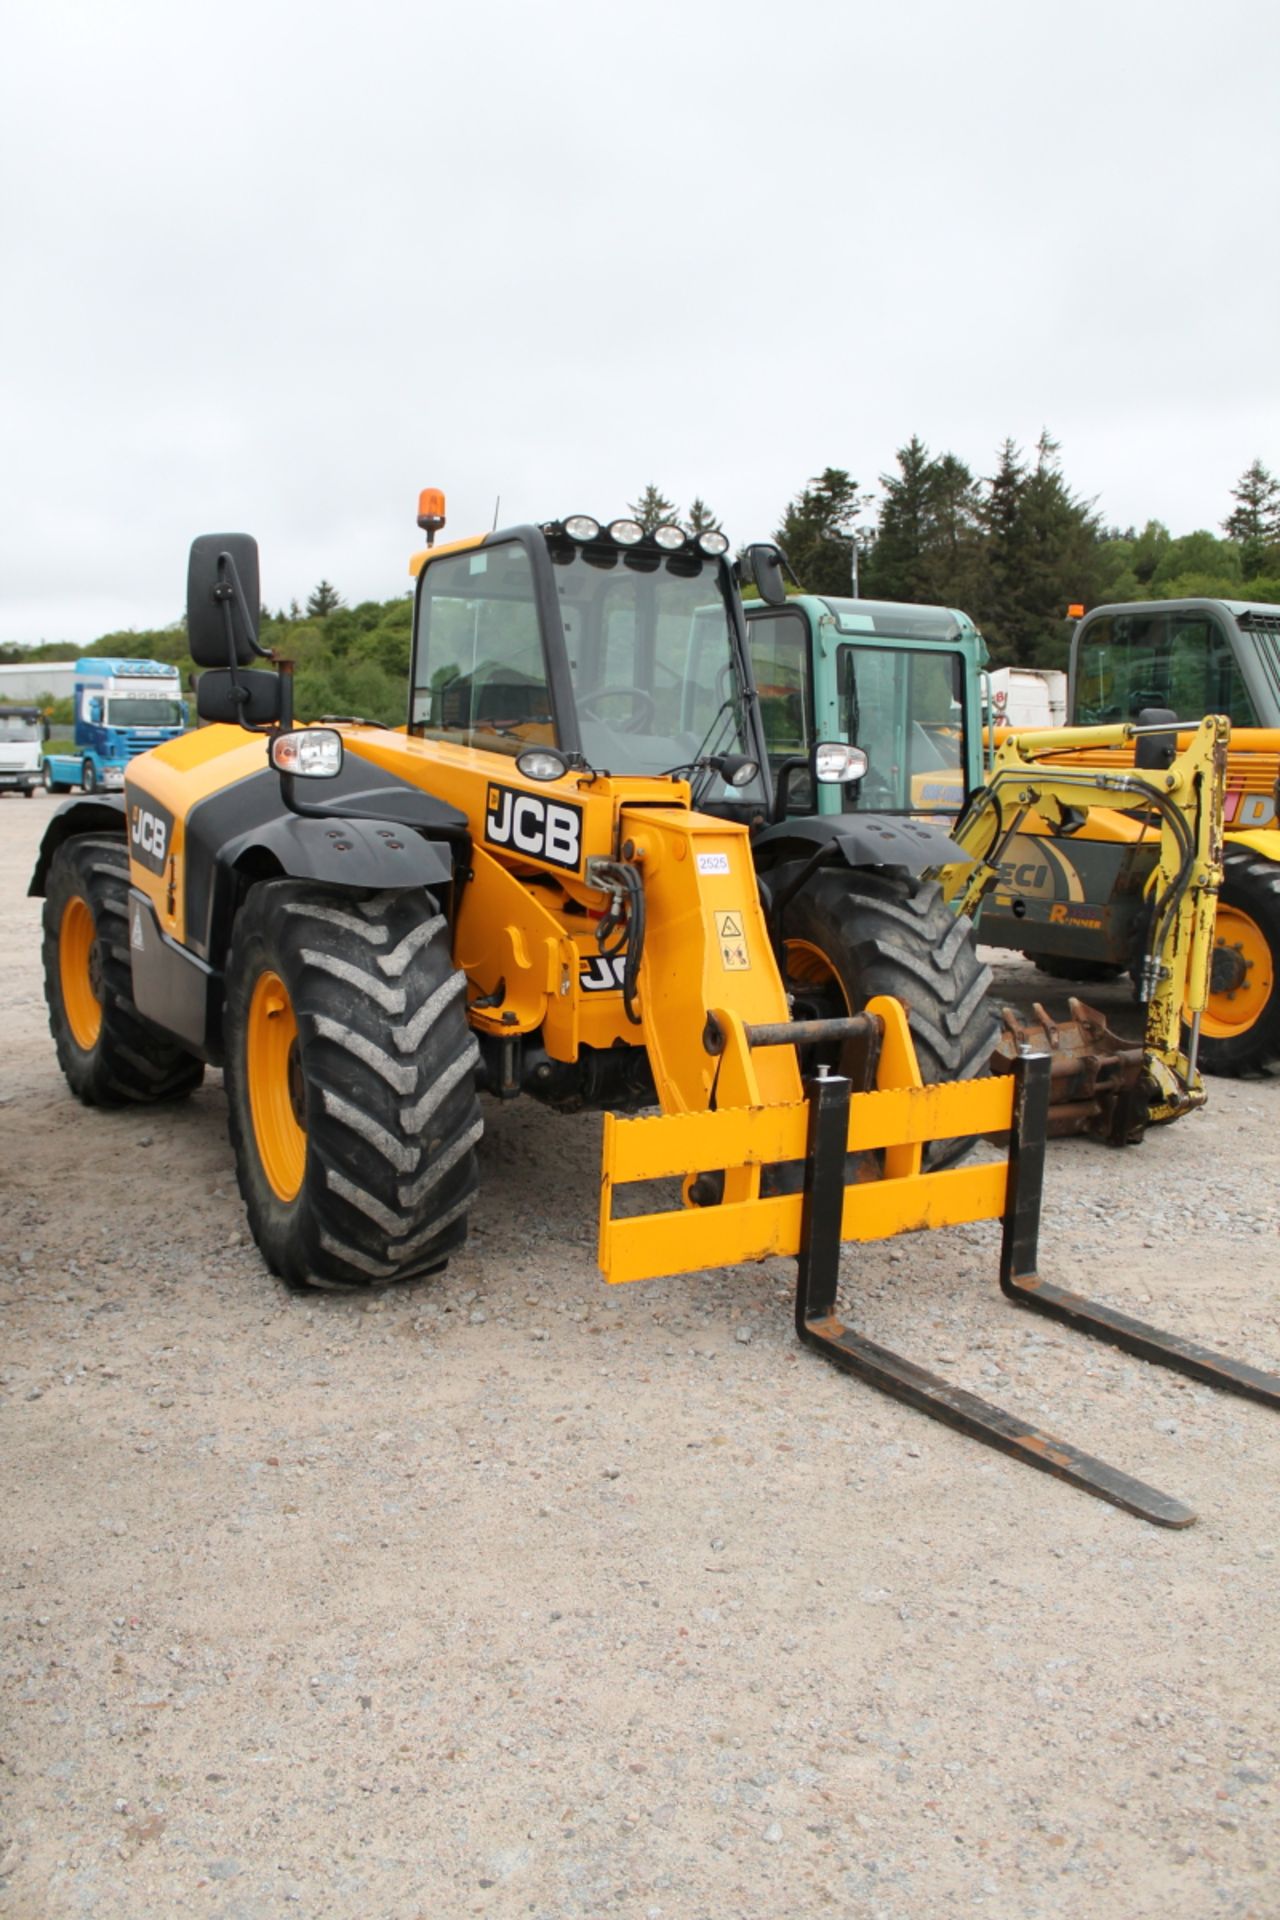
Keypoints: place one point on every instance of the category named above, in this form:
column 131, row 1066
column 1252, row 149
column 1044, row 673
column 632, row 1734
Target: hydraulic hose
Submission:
column 624, row 926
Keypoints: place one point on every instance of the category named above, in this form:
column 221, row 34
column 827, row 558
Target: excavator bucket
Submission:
column 1098, row 1082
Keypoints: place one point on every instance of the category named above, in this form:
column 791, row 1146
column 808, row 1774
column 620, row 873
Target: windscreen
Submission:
column 650, row 652
column 1180, row 659
column 139, row 711
column 19, row 726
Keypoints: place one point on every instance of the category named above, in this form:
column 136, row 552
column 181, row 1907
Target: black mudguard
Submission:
column 372, row 854
column 103, row 813
column 856, row 840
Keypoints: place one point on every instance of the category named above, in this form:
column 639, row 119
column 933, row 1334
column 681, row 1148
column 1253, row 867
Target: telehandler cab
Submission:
column 543, row 883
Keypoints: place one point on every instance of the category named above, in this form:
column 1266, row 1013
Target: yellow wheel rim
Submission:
column 79, row 972
column 1249, row 954
column 274, row 1074
column 808, row 966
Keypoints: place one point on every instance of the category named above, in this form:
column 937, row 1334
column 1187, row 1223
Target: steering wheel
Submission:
column 638, row 723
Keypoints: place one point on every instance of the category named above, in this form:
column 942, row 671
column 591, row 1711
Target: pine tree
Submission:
column 1254, row 521
column 928, row 544
column 323, row 600
column 652, row 509
column 1043, row 549
column 818, row 531
column 700, row 519
column 902, row 536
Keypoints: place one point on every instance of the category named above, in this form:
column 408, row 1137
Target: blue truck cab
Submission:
column 122, row 708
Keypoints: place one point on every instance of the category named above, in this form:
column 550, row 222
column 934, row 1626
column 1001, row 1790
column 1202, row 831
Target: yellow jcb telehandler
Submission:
column 543, row 883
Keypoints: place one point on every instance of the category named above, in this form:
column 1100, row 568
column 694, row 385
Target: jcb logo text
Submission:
column 150, row 831
column 549, row 830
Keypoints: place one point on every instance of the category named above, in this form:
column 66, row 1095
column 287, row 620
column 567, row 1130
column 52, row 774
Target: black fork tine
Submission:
column 818, row 1326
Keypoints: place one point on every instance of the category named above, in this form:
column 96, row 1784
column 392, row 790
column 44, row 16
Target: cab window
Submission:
column 905, row 708
column 479, row 677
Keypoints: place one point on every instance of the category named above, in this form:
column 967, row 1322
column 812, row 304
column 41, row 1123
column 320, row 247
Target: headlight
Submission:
column 580, row 526
column 713, row 542
column 541, row 763
column 669, row 537
column 735, row 769
column 835, row 764
column 627, row 533
column 314, row 753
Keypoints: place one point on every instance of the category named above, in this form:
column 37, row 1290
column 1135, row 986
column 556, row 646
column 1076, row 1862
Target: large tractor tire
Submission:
column 853, row 933
column 350, row 1074
column 108, row 1052
column 1240, row 1032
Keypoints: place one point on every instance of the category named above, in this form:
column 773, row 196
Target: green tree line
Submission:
column 1013, row 549
column 1017, row 548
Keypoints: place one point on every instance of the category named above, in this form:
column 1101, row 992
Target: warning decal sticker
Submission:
column 734, row 957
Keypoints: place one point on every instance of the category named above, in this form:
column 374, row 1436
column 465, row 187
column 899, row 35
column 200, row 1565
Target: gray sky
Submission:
column 276, row 267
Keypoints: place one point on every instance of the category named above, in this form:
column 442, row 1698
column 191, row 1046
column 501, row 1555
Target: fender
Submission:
column 382, row 834
column 181, row 987
column 365, row 855
column 370, row 855
column 860, row 840
column 1264, row 841
column 103, row 813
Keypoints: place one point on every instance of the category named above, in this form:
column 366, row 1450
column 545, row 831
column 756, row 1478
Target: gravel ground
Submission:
column 505, row 1594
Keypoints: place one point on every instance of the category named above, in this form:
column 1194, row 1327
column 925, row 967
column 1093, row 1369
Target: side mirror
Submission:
column 836, row 764
column 45, row 730
column 222, row 600
column 239, row 700
column 95, row 711
column 762, row 564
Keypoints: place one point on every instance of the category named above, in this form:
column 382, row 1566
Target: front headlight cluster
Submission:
column 629, row 533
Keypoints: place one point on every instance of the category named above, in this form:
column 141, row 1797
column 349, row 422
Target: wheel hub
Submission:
column 1229, row 970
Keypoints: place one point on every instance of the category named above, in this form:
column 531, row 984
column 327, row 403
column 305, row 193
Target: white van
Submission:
column 23, row 731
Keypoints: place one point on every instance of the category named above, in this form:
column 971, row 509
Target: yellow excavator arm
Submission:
column 1181, row 802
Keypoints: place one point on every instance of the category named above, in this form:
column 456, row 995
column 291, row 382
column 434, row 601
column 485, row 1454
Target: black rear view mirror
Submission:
column 763, row 563
column 240, row 700
column 222, row 600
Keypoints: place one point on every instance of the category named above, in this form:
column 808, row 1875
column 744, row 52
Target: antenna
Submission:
column 497, row 503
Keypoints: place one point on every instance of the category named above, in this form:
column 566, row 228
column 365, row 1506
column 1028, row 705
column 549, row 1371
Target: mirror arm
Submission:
column 782, row 783
column 229, row 591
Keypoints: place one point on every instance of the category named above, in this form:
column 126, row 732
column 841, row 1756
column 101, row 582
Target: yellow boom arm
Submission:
column 1185, row 804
